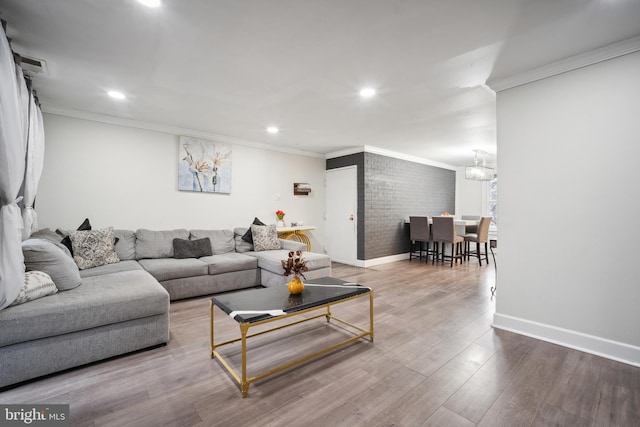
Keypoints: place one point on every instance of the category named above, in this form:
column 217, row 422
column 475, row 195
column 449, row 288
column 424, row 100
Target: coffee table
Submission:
column 256, row 307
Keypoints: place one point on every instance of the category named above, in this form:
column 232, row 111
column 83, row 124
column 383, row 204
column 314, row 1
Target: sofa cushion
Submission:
column 41, row 255
column 101, row 300
column 270, row 260
column 265, row 237
column 128, row 265
column 222, row 241
column 157, row 244
column 36, row 285
column 93, row 248
column 229, row 262
column 184, row 248
column 171, row 268
column 126, row 244
column 241, row 244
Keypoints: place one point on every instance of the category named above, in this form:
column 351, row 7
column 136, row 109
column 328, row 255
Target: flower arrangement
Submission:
column 280, row 214
column 294, row 264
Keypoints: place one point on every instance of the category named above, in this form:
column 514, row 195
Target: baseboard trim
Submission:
column 603, row 347
column 382, row 260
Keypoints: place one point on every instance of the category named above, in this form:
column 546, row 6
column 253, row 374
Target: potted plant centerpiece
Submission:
column 295, row 264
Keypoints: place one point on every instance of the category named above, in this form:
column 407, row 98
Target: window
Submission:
column 492, row 202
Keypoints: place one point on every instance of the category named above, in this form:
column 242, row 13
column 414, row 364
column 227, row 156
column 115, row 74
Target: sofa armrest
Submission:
column 292, row 245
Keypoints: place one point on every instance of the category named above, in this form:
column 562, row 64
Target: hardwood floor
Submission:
column 435, row 361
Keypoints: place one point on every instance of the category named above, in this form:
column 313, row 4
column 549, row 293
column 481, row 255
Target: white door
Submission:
column 341, row 214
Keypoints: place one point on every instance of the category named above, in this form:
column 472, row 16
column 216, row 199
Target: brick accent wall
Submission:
column 389, row 191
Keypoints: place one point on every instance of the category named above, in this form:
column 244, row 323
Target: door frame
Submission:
column 355, row 211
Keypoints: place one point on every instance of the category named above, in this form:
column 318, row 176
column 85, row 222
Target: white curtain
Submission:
column 12, row 168
column 35, row 160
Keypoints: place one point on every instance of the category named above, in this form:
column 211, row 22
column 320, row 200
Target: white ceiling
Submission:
column 234, row 67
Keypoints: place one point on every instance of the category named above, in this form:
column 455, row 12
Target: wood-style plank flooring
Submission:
column 435, row 361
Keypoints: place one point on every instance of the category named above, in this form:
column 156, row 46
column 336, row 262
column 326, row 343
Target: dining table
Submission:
column 460, row 224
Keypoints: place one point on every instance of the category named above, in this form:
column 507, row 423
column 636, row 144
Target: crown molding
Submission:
column 174, row 130
column 388, row 153
column 345, row 152
column 569, row 64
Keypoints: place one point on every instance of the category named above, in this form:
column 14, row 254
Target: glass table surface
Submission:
column 254, row 305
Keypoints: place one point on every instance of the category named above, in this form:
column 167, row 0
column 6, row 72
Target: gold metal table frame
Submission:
column 244, row 382
column 297, row 234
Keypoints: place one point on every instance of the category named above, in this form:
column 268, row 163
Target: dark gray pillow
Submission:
column 41, row 255
column 184, row 248
column 248, row 237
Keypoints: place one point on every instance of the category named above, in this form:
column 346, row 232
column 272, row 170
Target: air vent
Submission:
column 33, row 65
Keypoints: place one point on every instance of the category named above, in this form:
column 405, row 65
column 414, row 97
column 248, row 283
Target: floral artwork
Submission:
column 204, row 166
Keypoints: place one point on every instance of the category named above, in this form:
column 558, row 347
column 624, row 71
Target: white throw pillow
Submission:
column 265, row 237
column 36, row 285
column 93, row 248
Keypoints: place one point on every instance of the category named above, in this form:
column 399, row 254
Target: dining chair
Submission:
column 420, row 235
column 471, row 228
column 444, row 231
column 482, row 236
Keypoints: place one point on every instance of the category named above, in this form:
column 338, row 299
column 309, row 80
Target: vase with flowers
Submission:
column 295, row 264
column 280, row 215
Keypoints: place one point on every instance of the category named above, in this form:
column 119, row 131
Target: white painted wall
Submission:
column 568, row 150
column 126, row 178
column 469, row 195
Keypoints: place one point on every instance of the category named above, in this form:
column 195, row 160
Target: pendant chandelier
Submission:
column 479, row 170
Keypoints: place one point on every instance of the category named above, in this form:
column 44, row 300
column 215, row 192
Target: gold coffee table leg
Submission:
column 244, row 385
column 211, row 306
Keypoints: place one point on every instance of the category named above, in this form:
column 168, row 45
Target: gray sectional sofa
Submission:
column 124, row 306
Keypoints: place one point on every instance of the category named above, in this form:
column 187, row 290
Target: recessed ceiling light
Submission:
column 116, row 95
column 367, row 92
column 273, row 129
column 150, row 3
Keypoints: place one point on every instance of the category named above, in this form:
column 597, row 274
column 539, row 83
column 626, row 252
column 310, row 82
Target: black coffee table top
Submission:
column 254, row 305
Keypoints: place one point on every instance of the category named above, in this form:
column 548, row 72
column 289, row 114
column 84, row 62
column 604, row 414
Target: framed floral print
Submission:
column 204, row 166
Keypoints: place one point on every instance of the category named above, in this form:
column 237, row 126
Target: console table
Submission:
column 296, row 233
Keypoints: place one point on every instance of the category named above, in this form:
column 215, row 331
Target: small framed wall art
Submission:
column 204, row 166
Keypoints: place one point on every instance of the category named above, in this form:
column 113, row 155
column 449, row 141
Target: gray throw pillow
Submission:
column 265, row 237
column 51, row 236
column 93, row 248
column 183, row 248
column 41, row 255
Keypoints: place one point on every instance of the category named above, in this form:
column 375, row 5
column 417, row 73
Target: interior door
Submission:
column 341, row 214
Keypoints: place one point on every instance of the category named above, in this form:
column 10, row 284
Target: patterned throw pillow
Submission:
column 265, row 237
column 93, row 248
column 248, row 237
column 36, row 285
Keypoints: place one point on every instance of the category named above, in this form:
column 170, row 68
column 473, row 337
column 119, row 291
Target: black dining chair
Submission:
column 420, row 236
column 444, row 231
